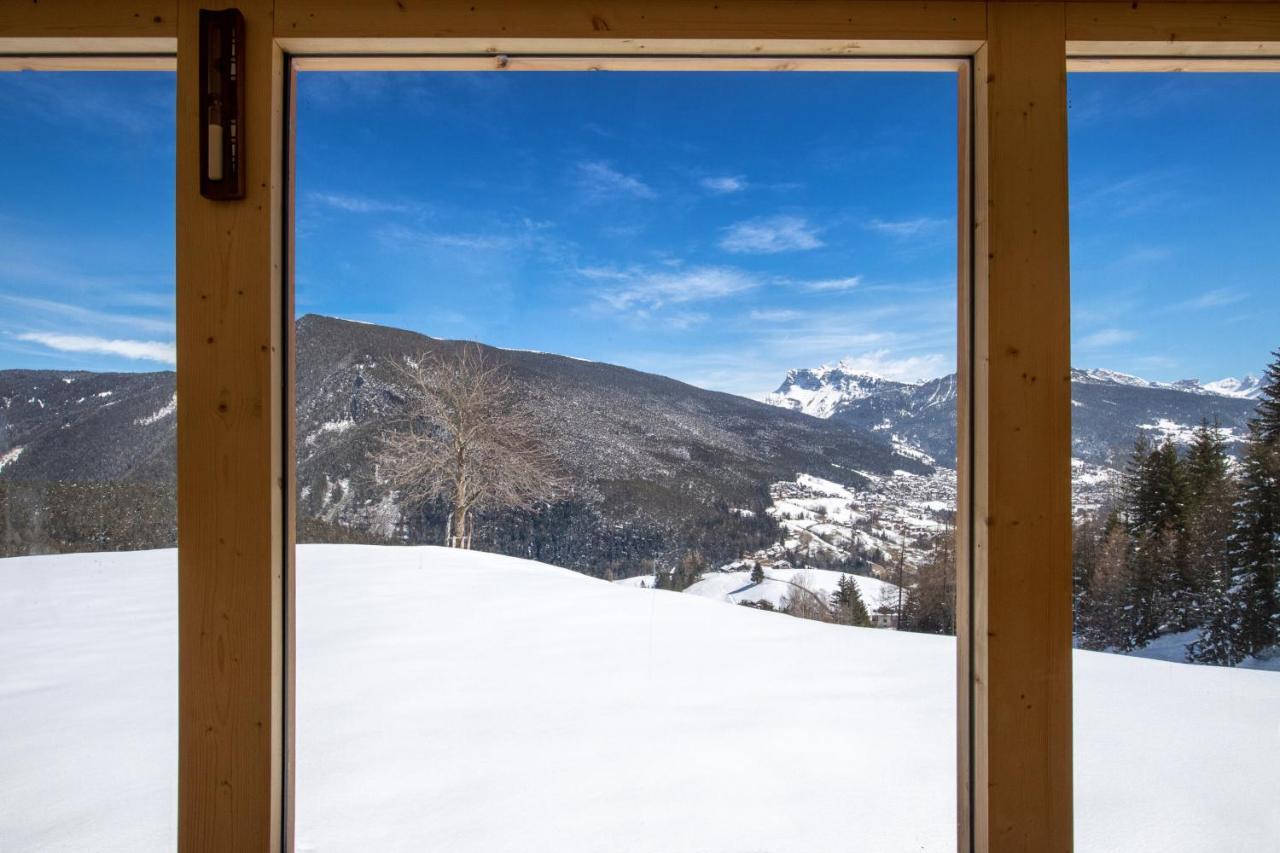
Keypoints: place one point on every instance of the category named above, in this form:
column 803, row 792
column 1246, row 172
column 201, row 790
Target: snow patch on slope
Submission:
column 10, row 456
column 337, row 427
column 159, row 414
column 1184, row 434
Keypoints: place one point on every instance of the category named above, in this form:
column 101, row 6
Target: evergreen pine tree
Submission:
column 1267, row 422
column 1155, row 505
column 1255, row 549
column 1206, row 466
column 1210, row 496
column 847, row 603
column 1217, row 643
column 1254, row 596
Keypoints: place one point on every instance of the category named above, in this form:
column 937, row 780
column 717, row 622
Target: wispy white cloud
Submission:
column 775, row 315
column 1105, row 338
column 681, row 320
column 770, row 235
column 643, row 292
column 1215, row 298
column 832, row 285
column 357, row 203
column 1129, row 195
column 94, row 102
column 526, row 234
column 600, row 182
column 97, row 318
column 911, row 340
column 724, row 185
column 160, row 351
column 596, row 273
column 1141, row 255
column 906, row 228
column 901, row 368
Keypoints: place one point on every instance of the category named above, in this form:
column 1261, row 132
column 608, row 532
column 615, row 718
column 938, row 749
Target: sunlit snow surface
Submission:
column 466, row 702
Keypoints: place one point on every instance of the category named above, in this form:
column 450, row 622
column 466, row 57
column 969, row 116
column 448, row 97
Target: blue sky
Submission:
column 720, row 228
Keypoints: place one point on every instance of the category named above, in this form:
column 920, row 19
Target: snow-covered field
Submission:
column 466, row 702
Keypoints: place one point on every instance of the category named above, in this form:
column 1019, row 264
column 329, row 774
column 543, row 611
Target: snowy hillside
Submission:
column 875, row 520
column 736, row 586
column 467, row 702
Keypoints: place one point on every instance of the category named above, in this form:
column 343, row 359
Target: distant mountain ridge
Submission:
column 1110, row 409
column 656, row 466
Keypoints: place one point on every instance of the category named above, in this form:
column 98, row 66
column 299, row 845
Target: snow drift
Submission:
column 469, row 702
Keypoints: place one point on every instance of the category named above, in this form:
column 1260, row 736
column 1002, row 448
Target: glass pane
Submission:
column 693, row 334
column 88, row 582
column 1175, row 208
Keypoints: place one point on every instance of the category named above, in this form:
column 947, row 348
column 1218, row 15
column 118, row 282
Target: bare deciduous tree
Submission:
column 803, row 600
column 467, row 438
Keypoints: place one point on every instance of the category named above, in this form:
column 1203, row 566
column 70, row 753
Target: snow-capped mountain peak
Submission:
column 1102, row 376
column 821, row 391
column 1249, row 388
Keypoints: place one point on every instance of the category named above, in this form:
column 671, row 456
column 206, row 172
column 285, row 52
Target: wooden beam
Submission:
column 232, row 477
column 596, row 47
column 1168, row 64
column 88, row 26
column 631, row 24
column 1017, row 693
column 1173, row 28
column 88, row 63
column 624, row 63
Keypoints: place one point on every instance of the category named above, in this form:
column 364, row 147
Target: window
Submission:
column 88, row 580
column 1175, row 192
column 696, row 334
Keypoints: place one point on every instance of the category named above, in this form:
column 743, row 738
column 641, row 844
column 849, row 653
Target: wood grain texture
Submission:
column 624, row 63
column 88, row 63
column 964, row 457
column 230, row 465
column 1164, row 65
column 88, row 26
column 1153, row 28
column 1019, row 477
column 634, row 19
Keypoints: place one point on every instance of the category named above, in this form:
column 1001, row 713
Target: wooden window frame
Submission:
column 235, row 443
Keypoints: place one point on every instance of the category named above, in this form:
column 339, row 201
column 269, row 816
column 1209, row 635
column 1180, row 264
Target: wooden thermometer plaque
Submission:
column 221, row 104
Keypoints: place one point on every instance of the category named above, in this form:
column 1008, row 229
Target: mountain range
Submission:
column 655, row 467
column 1109, row 409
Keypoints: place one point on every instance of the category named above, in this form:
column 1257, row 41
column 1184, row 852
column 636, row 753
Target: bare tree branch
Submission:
column 468, row 437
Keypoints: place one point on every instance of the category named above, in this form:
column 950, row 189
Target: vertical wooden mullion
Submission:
column 231, row 463
column 964, row 454
column 1015, row 691
column 290, row 458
